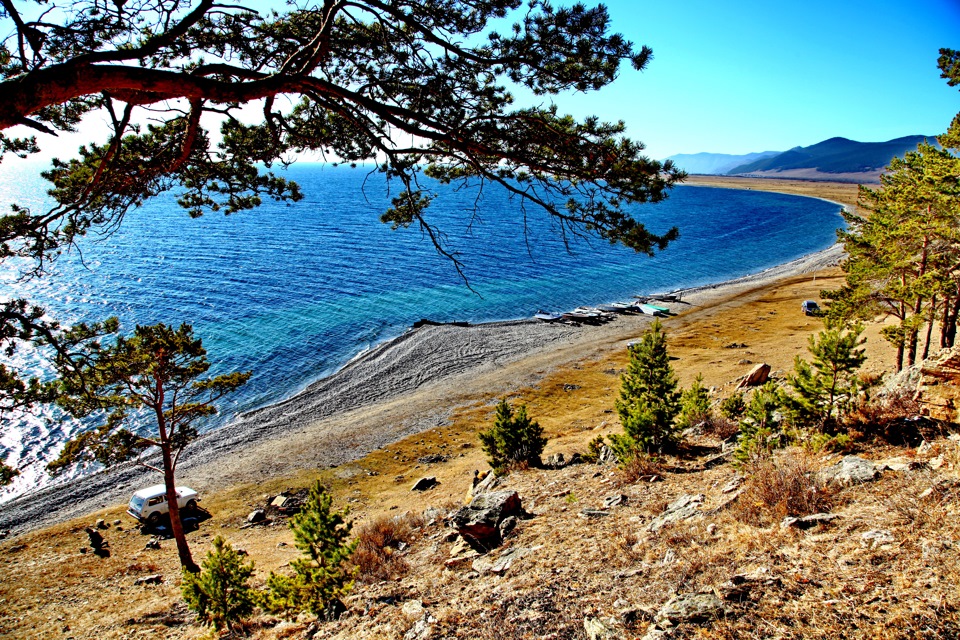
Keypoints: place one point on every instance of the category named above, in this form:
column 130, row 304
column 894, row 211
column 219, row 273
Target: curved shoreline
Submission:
column 405, row 385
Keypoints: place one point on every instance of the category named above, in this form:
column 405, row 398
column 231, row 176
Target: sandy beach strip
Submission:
column 405, row 386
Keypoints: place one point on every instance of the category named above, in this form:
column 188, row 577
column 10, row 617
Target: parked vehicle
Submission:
column 148, row 505
column 810, row 308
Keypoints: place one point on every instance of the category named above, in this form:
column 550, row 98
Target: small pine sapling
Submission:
column 219, row 594
column 694, row 405
column 757, row 424
column 514, row 439
column 822, row 391
column 321, row 576
column 7, row 474
column 649, row 400
column 733, row 407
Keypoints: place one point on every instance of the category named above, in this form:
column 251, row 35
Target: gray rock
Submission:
column 614, row 501
column 102, row 524
column 556, row 461
column 733, row 485
column 152, row 579
column 421, row 630
column 480, row 520
column 851, row 470
column 876, row 538
column 257, row 515
column 508, row 525
column 808, row 522
column 902, row 464
column 683, row 508
column 607, row 456
column 690, row 607
column 504, row 561
column 598, row 629
column 425, row 483
column 152, row 543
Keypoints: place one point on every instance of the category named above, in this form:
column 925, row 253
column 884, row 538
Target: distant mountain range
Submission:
column 837, row 159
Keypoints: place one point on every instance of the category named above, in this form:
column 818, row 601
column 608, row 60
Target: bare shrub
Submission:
column 720, row 427
column 782, row 486
column 639, row 467
column 380, row 543
column 895, row 418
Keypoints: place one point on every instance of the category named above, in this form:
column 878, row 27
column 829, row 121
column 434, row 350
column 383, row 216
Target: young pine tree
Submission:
column 219, row 593
column 694, row 405
column 649, row 399
column 822, row 390
column 322, row 575
column 758, row 423
column 513, row 439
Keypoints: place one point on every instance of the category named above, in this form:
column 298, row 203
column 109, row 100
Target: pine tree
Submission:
column 758, row 423
column 322, row 575
column 513, row 439
column 220, row 594
column 820, row 391
column 157, row 369
column 649, row 399
column 694, row 404
column 7, row 474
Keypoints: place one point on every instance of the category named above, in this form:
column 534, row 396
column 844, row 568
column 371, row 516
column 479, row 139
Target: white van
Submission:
column 147, row 505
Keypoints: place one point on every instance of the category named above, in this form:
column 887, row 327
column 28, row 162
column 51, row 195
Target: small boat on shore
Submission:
column 613, row 307
column 546, row 316
column 651, row 310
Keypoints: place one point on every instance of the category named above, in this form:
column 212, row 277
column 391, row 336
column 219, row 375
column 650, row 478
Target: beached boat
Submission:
column 650, row 310
column 612, row 308
column 546, row 316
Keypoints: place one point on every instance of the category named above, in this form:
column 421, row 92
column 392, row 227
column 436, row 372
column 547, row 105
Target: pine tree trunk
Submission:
column 930, row 321
column 950, row 325
column 183, row 549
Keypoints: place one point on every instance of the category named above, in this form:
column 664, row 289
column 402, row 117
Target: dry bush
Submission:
column 720, row 427
column 894, row 418
column 380, row 542
column 782, row 486
column 639, row 467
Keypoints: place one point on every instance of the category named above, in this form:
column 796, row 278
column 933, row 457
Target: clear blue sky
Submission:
column 757, row 75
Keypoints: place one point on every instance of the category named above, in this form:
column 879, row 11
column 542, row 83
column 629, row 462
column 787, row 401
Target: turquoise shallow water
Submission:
column 292, row 292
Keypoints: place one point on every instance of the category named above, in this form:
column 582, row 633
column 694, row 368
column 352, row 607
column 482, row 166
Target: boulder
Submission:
column 151, row 579
column 690, row 607
column 757, row 376
column 257, row 515
column 425, row 483
column 480, row 520
column 683, row 508
column 851, row 470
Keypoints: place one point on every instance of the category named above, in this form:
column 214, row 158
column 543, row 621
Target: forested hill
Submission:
column 837, row 159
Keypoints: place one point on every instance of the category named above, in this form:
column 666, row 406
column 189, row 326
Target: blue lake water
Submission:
column 292, row 292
